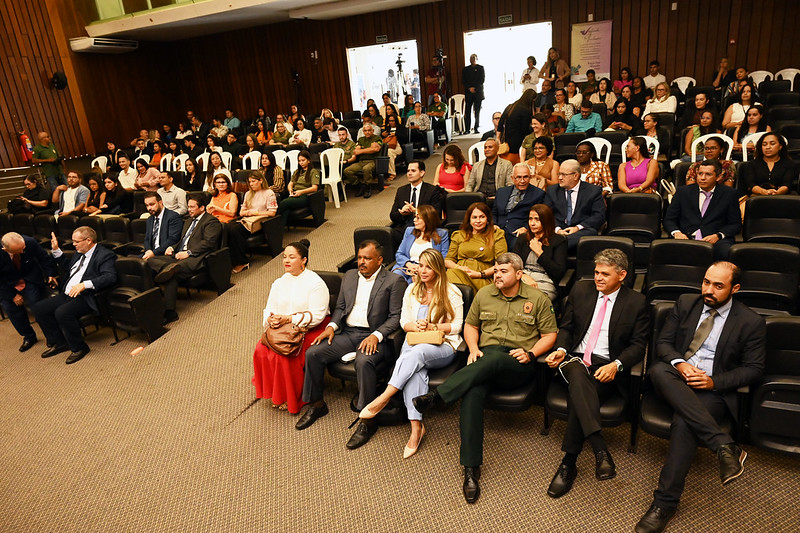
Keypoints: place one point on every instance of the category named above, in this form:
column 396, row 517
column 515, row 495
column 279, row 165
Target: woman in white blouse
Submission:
column 299, row 297
column 301, row 134
column 662, row 102
column 430, row 304
column 574, row 95
column 737, row 111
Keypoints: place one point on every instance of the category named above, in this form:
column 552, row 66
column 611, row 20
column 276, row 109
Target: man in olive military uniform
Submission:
column 508, row 326
column 347, row 144
column 366, row 152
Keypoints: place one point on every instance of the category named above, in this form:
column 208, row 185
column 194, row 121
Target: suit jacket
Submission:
column 741, row 349
column 628, row 327
column 722, row 215
column 428, row 195
column 517, row 217
column 590, row 210
column 169, row 232
column 473, row 76
column 36, row 265
column 385, row 301
column 502, row 175
column 401, row 257
column 204, row 239
column 101, row 271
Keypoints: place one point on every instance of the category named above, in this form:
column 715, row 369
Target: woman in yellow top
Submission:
column 474, row 248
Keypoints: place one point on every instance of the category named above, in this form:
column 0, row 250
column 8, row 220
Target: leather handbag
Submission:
column 287, row 339
column 425, row 337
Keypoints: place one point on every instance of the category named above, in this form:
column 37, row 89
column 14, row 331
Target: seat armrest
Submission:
column 636, row 370
column 273, row 229
column 218, row 264
column 638, row 284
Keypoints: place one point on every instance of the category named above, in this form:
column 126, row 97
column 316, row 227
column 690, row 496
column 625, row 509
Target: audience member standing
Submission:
column 473, row 77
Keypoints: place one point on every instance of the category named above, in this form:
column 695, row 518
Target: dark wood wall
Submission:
column 247, row 68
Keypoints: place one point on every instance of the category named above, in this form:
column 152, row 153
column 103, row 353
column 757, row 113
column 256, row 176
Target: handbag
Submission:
column 391, row 141
column 286, row 339
column 503, row 148
column 425, row 337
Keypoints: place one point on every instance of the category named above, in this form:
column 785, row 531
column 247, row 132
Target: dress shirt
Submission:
column 291, row 295
column 416, row 188
column 174, row 199
column 358, row 314
column 127, row 178
column 704, row 357
column 652, row 81
column 488, row 185
column 601, row 348
column 75, row 278
column 573, row 201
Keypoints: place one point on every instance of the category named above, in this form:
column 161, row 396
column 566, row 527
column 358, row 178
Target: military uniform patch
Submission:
column 527, row 308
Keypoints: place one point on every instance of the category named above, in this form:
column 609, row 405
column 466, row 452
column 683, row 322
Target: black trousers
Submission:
column 237, row 243
column 171, row 287
column 472, row 100
column 697, row 419
column 59, row 317
column 18, row 315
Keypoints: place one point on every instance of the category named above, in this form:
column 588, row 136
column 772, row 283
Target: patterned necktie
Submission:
column 513, row 200
column 569, row 207
column 156, row 225
column 595, row 334
column 702, row 333
column 185, row 241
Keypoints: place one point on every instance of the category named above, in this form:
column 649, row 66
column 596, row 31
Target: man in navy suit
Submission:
column 408, row 197
column 23, row 268
column 163, row 229
column 513, row 203
column 705, row 211
column 578, row 206
column 91, row 269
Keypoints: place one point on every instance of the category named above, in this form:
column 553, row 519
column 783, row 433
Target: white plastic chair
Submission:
column 144, row 157
column 291, row 161
column 760, row 75
column 753, row 139
column 217, row 149
column 179, row 162
column 703, row 138
column 280, row 158
column 599, row 145
column 652, row 144
column 252, row 161
column 332, row 162
column 165, row 165
column 202, row 161
column 477, row 147
column 227, row 159
column 100, row 161
column 457, row 104
column 787, row 74
column 684, row 82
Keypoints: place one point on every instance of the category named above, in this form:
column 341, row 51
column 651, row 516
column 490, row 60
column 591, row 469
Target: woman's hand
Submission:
column 527, row 280
column 536, row 246
column 422, row 325
column 276, row 321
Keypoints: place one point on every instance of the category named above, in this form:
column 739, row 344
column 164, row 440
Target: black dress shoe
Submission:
column 428, row 401
column 604, row 466
column 27, row 344
column 731, row 462
column 54, row 350
column 74, row 357
column 368, row 192
column 167, row 273
column 360, row 191
column 365, row 430
column 169, row 316
column 311, row 415
column 472, row 491
column 562, row 481
column 655, row 520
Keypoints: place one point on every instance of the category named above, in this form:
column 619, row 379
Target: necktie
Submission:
column 185, row 240
column 17, row 260
column 77, row 266
column 595, row 332
column 513, row 200
column 156, row 225
column 414, row 196
column 700, row 336
column 705, row 202
column 569, row 207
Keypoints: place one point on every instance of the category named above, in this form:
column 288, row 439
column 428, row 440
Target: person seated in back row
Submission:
column 361, row 172
column 578, row 206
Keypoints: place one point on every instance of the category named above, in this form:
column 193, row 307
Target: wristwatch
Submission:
column 619, row 365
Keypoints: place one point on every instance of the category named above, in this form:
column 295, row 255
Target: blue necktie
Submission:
column 569, row 207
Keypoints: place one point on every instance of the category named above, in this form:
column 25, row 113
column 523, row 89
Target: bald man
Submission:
column 46, row 154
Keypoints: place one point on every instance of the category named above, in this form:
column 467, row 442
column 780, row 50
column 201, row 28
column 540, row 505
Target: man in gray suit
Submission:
column 367, row 311
column 490, row 174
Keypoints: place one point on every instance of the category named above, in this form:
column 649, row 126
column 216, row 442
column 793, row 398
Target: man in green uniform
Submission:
column 348, row 145
column 366, row 152
column 438, row 111
column 46, row 154
column 508, row 326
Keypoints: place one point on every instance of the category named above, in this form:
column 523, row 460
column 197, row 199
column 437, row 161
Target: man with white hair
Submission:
column 512, row 204
column 361, row 172
column 578, row 206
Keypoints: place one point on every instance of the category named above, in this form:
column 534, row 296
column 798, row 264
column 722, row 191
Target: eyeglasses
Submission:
column 495, row 118
column 564, row 174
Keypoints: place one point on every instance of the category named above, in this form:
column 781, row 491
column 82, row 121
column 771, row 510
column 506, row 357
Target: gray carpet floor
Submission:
column 173, row 439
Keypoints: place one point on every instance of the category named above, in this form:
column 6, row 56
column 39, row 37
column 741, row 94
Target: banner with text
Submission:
column 591, row 49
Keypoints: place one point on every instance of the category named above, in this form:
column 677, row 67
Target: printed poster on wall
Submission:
column 591, row 49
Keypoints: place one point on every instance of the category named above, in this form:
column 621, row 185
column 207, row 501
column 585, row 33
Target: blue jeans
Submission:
column 411, row 371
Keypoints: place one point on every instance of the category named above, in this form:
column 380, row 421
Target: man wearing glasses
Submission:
column 512, row 204
column 587, row 121
column 493, row 133
column 578, row 206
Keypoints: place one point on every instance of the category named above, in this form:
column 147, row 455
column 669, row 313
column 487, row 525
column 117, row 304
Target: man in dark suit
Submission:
column 367, row 311
column 91, row 269
column 603, row 334
column 23, row 269
column 706, row 211
column 201, row 236
column 409, row 197
column 163, row 229
column 578, row 206
column 710, row 346
column 473, row 77
column 512, row 204
column 200, row 129
column 142, row 148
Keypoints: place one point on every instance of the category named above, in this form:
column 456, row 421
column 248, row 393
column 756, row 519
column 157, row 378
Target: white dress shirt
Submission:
column 358, row 317
column 76, row 276
column 601, row 349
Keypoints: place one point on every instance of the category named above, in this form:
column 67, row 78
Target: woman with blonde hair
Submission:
column 430, row 304
column 259, row 203
column 662, row 101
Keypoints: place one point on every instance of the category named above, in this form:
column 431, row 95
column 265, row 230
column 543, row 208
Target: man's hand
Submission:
column 695, row 378
column 606, row 373
column 53, row 241
column 76, row 290
column 680, row 235
column 369, row 345
column 555, row 358
column 711, row 238
column 520, row 355
column 408, row 208
column 19, row 301
column 169, row 251
column 327, row 334
column 474, row 356
column 181, row 255
column 148, row 254
column 52, row 282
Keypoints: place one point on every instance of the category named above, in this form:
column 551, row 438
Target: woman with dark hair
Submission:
column 543, row 251
column 626, row 94
column 639, row 94
column 474, row 248
column 623, row 119
column 650, row 129
column 640, row 171
column 301, row 134
column 158, row 153
column 754, row 123
column 215, row 164
column 574, row 96
column 375, row 114
column 299, row 297
column 555, row 123
column 259, row 203
column 712, row 149
column 224, row 203
column 146, row 177
column 408, row 107
column 539, row 128
column 112, row 153
column 562, row 107
column 263, row 135
column 166, row 132
column 116, row 199
column 97, row 193
column 305, row 181
column 593, row 171
column 544, row 169
column 708, row 124
column 771, row 172
column 424, row 234
column 693, row 112
column 251, row 145
column 295, row 114
column 625, row 80
column 555, row 69
column 272, row 173
column 194, row 180
column 431, row 303
column 182, row 131
column 212, row 145
column 452, row 173
column 515, row 124
column 35, row 199
column 736, row 113
column 174, row 148
column 604, row 95
column 394, row 135
column 261, row 114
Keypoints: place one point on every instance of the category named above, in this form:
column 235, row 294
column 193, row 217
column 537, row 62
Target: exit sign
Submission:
column 505, row 19
column 380, row 39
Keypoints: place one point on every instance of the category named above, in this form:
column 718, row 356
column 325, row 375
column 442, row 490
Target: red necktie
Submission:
column 17, row 260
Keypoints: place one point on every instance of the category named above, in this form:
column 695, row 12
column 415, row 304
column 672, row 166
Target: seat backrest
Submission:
column 23, row 224
column 96, row 224
column 475, row 152
column 758, row 76
column 683, row 261
column 331, row 161
column 380, row 234
column 456, row 204
column 590, row 245
column 679, row 173
column 65, row 226
column 769, row 272
column 772, row 219
column 5, row 223
column 44, row 224
column 280, row 158
column 179, row 161
column 202, row 161
column 658, row 318
column 600, row 109
column 788, row 74
column 351, row 115
column 566, row 143
column 766, row 88
column 227, row 159
column 703, row 138
column 637, row 213
column 467, row 295
column 456, row 104
column 100, row 161
column 753, row 139
column 117, row 229
column 684, row 82
column 165, row 165
column 138, row 230
column 291, row 161
column 652, row 145
column 133, row 273
column 782, row 98
column 333, row 280
column 143, row 157
column 602, row 147
column 252, row 160
column 783, row 346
